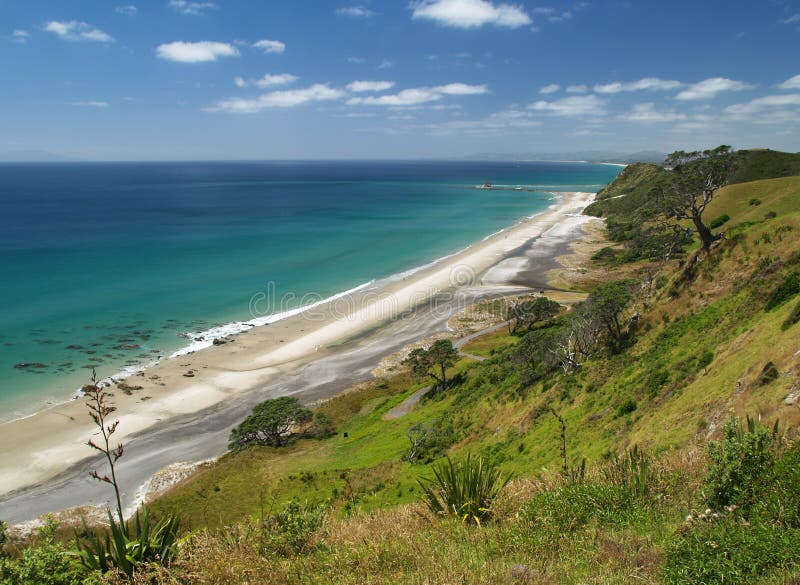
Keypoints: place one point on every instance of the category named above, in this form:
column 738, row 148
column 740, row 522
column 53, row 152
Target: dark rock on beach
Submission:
column 30, row 365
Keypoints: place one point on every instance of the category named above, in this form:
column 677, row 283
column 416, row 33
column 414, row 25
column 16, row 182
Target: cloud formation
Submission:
column 645, row 84
column 192, row 8
column 363, row 86
column 91, row 104
column 572, row 107
column 759, row 105
column 277, row 99
column 419, row 95
column 269, row 46
column 577, row 88
column 709, row 88
column 791, row 83
column 268, row 80
column 552, row 88
column 129, row 10
column 199, row 52
column 20, row 36
column 646, row 113
column 355, row 12
column 470, row 13
column 76, row 31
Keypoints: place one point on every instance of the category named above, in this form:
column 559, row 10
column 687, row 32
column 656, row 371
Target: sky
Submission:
column 361, row 79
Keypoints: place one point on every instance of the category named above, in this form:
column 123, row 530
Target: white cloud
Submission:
column 193, row 8
column 269, row 80
column 419, row 95
column 356, row 60
column 386, row 64
column 577, row 88
column 791, row 83
column 362, row 86
column 646, row 113
column 91, row 104
column 270, row 46
column 645, row 84
column 129, row 10
column 20, row 36
column 277, row 99
column 471, row 13
column 355, row 12
column 552, row 88
column 794, row 19
column 74, row 30
column 496, row 123
column 573, row 106
column 709, row 88
column 762, row 104
column 199, row 52
column 239, row 81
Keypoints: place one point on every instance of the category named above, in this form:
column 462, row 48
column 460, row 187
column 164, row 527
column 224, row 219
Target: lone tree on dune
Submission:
column 433, row 361
column 694, row 178
column 271, row 423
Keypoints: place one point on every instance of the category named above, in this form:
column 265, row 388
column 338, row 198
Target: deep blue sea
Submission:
column 111, row 265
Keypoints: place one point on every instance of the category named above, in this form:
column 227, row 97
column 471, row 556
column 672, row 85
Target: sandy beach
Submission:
column 182, row 408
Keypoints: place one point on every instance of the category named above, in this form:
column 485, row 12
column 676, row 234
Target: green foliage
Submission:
column 793, row 317
column 631, row 471
column 429, row 439
column 745, row 452
column 43, row 563
column 126, row 546
column 789, row 287
column 465, row 489
column 291, row 530
column 323, row 427
column 755, row 165
column 3, row 538
column 627, row 407
column 527, row 313
column 719, row 221
column 271, row 423
column 754, row 201
column 608, row 304
column 729, row 551
column 433, row 362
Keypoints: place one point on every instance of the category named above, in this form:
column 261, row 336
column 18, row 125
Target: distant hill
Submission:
column 766, row 164
column 594, row 156
column 21, row 156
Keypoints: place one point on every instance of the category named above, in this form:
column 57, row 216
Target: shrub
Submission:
column 630, row 471
column 626, row 407
column 45, row 563
column 125, row 546
column 737, row 462
column 291, row 530
column 272, row 422
column 784, row 291
column 793, row 317
column 719, row 221
column 465, row 489
column 754, row 202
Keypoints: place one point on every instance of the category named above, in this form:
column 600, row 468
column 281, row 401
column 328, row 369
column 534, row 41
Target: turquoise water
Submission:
column 110, row 265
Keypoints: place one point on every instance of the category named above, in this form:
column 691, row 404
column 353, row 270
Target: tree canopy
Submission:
column 525, row 314
column 433, row 362
column 271, row 423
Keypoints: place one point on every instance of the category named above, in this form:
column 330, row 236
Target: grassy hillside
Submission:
column 723, row 342
column 766, row 164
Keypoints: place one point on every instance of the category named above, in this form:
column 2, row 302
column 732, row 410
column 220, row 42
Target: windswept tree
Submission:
column 525, row 314
column 272, row 423
column 609, row 305
column 692, row 182
column 433, row 362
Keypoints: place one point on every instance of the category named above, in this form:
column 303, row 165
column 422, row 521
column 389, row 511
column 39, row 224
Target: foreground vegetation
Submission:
column 648, row 431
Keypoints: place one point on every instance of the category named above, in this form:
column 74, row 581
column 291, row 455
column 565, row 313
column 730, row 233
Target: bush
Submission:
column 626, row 407
column 784, row 291
column 465, row 490
column 729, row 551
column 272, row 422
column 719, row 221
column 291, row 530
column 754, row 202
column 737, row 462
column 126, row 546
column 45, row 563
column 793, row 317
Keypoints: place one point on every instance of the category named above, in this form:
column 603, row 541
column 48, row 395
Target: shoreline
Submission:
column 259, row 362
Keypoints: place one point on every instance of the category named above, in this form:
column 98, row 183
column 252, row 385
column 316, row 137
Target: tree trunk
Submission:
column 444, row 377
column 706, row 237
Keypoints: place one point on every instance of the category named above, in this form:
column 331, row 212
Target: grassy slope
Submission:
column 679, row 401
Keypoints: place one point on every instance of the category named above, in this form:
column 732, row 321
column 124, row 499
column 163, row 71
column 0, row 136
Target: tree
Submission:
column 690, row 187
column 527, row 313
column 608, row 304
column 271, row 423
column 433, row 361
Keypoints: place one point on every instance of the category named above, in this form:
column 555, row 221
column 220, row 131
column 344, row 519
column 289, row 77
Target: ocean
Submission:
column 114, row 265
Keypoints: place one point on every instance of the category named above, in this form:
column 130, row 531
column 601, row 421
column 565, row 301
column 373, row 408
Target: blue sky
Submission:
column 237, row 79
